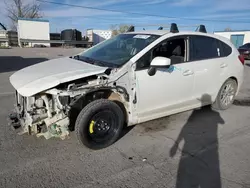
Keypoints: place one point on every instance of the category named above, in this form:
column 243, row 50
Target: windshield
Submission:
column 118, row 50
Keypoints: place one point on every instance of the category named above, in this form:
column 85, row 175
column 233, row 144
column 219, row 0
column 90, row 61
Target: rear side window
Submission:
column 224, row 49
column 203, row 47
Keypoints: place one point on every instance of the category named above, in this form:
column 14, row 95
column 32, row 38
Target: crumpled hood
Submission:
column 36, row 78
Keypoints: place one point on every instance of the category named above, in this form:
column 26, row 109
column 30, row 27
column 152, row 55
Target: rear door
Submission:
column 210, row 65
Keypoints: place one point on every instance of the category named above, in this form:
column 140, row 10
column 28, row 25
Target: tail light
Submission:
column 242, row 59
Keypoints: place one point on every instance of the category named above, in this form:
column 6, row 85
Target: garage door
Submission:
column 237, row 40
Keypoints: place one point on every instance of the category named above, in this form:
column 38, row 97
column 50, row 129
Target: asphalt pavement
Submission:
column 202, row 148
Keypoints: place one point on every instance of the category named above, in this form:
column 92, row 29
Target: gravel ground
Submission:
column 213, row 151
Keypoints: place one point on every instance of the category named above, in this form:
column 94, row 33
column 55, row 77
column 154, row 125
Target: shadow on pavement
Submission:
column 14, row 63
column 199, row 165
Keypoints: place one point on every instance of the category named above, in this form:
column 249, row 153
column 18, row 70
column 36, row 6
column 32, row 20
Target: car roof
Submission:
column 163, row 32
column 150, row 32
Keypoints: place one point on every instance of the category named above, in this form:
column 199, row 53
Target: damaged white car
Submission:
column 128, row 79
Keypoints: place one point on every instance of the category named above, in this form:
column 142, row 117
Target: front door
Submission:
column 170, row 89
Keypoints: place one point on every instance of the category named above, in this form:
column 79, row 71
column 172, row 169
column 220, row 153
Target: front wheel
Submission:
column 99, row 124
column 226, row 95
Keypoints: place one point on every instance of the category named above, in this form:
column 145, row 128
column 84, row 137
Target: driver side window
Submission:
column 171, row 48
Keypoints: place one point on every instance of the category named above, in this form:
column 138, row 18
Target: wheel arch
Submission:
column 217, row 103
column 237, row 82
column 221, row 84
column 234, row 78
column 101, row 93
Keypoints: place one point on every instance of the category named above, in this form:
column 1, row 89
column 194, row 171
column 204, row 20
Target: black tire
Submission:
column 103, row 132
column 218, row 105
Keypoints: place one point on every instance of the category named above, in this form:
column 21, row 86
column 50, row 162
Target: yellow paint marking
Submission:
column 91, row 126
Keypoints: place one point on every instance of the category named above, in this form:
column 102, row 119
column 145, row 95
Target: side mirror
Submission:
column 158, row 62
column 161, row 62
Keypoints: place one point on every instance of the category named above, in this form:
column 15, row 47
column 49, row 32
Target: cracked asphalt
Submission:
column 199, row 148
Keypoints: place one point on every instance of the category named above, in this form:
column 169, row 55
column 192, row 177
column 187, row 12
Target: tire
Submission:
column 99, row 124
column 219, row 104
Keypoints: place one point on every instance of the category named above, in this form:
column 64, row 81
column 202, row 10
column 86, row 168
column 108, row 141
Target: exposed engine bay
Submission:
column 49, row 113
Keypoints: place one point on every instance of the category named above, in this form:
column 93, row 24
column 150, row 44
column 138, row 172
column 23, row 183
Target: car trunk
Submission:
column 242, row 50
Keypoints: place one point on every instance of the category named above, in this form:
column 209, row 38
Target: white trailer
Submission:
column 97, row 36
column 238, row 38
column 33, row 29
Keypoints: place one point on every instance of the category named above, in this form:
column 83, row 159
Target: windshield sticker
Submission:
column 141, row 36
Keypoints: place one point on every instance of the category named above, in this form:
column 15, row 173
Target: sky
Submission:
column 66, row 17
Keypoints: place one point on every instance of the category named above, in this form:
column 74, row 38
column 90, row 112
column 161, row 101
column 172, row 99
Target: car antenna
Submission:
column 174, row 28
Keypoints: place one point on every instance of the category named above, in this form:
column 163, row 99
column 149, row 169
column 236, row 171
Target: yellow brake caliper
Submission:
column 91, row 126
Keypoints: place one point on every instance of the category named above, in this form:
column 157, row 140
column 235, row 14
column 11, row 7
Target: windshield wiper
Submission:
column 87, row 60
column 95, row 61
column 101, row 63
column 77, row 57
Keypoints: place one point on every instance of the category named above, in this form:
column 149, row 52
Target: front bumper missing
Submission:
column 14, row 121
column 56, row 125
column 58, row 129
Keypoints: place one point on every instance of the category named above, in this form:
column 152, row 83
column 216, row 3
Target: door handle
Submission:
column 223, row 65
column 188, row 72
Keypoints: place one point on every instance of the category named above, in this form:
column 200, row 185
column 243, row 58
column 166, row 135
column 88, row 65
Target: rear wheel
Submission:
column 99, row 124
column 226, row 95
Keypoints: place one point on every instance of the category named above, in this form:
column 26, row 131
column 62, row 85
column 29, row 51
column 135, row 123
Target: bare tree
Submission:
column 19, row 9
column 117, row 29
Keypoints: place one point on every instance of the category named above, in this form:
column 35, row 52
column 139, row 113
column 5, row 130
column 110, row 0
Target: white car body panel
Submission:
column 207, row 79
column 165, row 91
column 37, row 78
column 204, row 82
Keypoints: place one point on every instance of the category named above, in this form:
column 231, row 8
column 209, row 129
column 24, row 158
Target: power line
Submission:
column 141, row 14
column 100, row 18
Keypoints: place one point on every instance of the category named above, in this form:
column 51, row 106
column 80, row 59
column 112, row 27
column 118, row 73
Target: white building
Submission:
column 33, row 29
column 238, row 38
column 4, row 38
column 97, row 36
